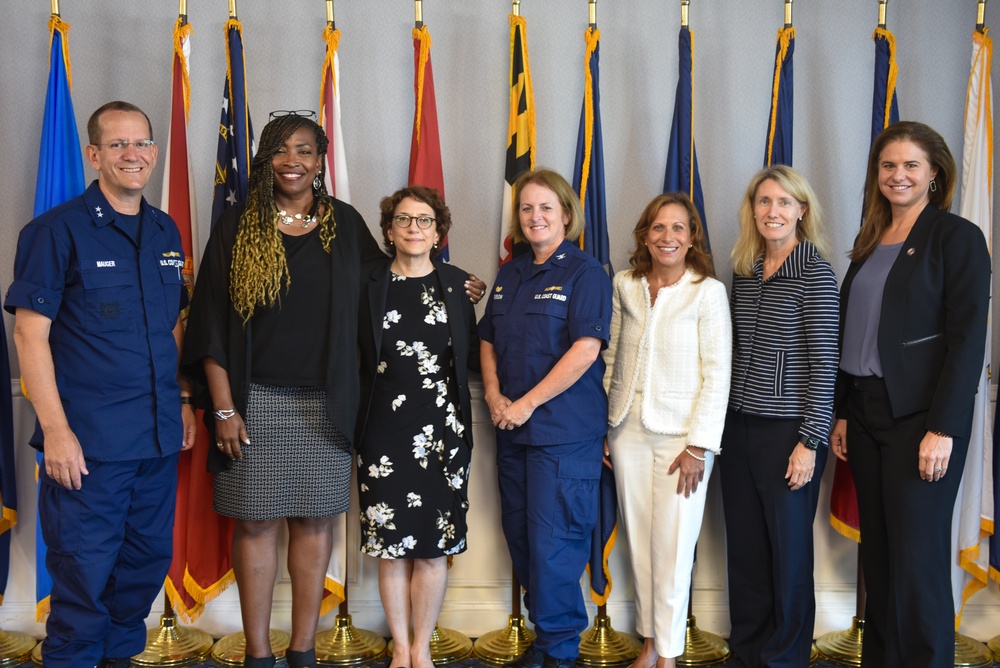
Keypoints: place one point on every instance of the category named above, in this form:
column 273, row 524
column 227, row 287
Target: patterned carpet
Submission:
column 470, row 663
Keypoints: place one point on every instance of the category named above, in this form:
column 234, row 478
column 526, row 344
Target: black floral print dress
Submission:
column 413, row 464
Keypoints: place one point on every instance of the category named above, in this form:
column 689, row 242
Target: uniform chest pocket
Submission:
column 108, row 293
column 547, row 332
column 173, row 283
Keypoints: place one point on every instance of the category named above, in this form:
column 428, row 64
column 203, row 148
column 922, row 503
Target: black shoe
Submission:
column 552, row 662
column 305, row 659
column 532, row 658
column 258, row 662
column 124, row 662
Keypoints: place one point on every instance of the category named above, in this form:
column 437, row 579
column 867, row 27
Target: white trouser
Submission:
column 661, row 525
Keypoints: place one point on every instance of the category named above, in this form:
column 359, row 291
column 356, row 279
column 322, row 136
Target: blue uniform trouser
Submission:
column 769, row 542
column 548, row 499
column 109, row 548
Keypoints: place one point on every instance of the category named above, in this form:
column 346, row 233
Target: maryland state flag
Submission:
column 60, row 178
column 337, row 185
column 885, row 111
column 682, row 159
column 201, row 568
column 520, row 127
column 232, row 162
column 779, row 124
column 425, row 146
column 588, row 180
column 974, row 509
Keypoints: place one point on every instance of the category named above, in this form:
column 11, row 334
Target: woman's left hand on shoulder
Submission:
column 475, row 288
column 801, row 466
column 692, row 470
column 935, row 453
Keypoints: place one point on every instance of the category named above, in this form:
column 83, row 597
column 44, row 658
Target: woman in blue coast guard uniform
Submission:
column 547, row 319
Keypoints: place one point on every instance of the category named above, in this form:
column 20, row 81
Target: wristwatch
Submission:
column 811, row 442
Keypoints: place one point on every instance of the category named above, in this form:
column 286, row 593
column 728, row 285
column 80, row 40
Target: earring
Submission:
column 435, row 245
column 933, row 186
column 317, row 182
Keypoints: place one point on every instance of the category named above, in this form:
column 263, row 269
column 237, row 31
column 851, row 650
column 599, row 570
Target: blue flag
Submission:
column 588, row 174
column 8, row 487
column 232, row 162
column 682, row 159
column 885, row 109
column 588, row 180
column 779, row 124
column 60, row 178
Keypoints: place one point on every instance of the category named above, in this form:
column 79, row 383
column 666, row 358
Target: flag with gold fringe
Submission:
column 201, row 565
column 232, row 162
column 779, row 124
column 425, row 145
column 60, row 178
column 885, row 111
column 682, row 158
column 338, row 186
column 588, row 180
column 8, row 478
column 520, row 127
column 974, row 511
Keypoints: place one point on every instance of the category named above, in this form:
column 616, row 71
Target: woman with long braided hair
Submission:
column 273, row 328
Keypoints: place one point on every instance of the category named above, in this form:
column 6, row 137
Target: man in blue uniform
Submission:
column 97, row 294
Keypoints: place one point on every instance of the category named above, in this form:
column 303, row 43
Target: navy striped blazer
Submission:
column 785, row 336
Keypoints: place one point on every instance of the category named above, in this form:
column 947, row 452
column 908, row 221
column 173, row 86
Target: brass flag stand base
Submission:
column 994, row 646
column 174, row 645
column 702, row 648
column 506, row 645
column 344, row 645
column 36, row 655
column 231, row 649
column 843, row 647
column 15, row 647
column 447, row 646
column 971, row 653
column 603, row 646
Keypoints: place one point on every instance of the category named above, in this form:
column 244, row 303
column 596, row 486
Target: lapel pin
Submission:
column 911, row 251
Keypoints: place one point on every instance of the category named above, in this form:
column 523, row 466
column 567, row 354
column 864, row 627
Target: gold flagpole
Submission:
column 788, row 13
column 55, row 7
column 418, row 12
column 592, row 9
column 685, row 8
column 981, row 16
column 881, row 13
column 329, row 15
column 515, row 7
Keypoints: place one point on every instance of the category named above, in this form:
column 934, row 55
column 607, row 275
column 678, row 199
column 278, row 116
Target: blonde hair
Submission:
column 568, row 200
column 750, row 244
column 260, row 269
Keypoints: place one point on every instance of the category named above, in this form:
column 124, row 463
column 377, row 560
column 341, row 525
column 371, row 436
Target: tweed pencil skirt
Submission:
column 297, row 464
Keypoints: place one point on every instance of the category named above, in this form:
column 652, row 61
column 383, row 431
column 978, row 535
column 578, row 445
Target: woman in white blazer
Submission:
column 668, row 367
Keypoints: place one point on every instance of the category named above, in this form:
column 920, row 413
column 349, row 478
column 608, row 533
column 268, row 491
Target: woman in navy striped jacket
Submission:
column 785, row 324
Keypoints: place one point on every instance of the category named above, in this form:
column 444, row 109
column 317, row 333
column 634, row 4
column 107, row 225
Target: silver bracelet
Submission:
column 688, row 450
column 224, row 414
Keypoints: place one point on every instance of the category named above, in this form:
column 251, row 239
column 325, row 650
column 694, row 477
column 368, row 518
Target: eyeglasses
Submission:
column 141, row 145
column 306, row 113
column 403, row 220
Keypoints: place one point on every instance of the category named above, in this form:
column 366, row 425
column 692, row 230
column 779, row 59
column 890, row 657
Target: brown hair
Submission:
column 94, row 124
column 429, row 196
column 877, row 214
column 568, row 200
column 697, row 259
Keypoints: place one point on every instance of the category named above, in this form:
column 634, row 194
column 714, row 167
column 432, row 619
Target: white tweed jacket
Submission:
column 678, row 353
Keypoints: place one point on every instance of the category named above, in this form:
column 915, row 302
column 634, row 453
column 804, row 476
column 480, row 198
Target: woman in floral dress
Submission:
column 417, row 337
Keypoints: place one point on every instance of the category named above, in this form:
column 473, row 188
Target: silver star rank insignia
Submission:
column 97, row 210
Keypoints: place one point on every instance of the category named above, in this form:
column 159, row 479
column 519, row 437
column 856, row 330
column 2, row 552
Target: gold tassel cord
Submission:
column 424, row 36
column 332, row 38
column 56, row 23
column 182, row 32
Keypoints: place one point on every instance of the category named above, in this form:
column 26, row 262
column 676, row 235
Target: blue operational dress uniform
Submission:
column 112, row 287
column 549, row 468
